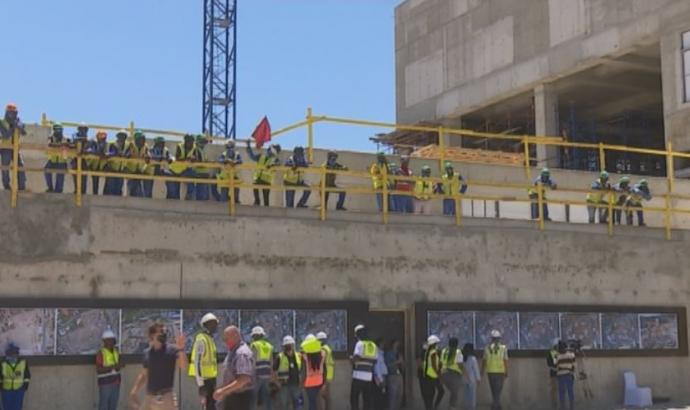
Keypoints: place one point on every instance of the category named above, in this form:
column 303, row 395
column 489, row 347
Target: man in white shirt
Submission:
column 363, row 361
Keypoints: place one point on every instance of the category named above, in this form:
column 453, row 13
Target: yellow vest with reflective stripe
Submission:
column 376, row 172
column 139, row 154
column 284, row 365
column 209, row 361
column 110, row 359
column 429, row 370
column 178, row 166
column 263, row 359
column 451, row 185
column 423, row 189
column 330, row 363
column 494, row 358
column 453, row 366
column 262, row 174
column 13, row 377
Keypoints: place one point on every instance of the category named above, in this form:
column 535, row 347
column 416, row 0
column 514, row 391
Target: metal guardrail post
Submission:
column 610, row 210
column 15, row 169
column 670, row 176
column 442, row 147
column 230, row 170
column 79, row 181
column 458, row 207
column 525, row 143
column 384, row 192
column 602, row 157
column 310, row 135
column 540, row 203
column 322, row 213
column 667, row 215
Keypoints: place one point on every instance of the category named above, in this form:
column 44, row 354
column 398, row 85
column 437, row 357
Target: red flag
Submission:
column 262, row 133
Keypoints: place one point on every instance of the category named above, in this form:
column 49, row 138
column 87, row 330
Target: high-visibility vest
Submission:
column 330, row 363
column 209, row 360
column 263, row 174
column 115, row 162
column 599, row 194
column 366, row 362
column 201, row 156
column 315, row 376
column 263, row 353
column 97, row 164
column 224, row 174
column 14, row 377
column 429, row 370
column 423, row 189
column 376, row 172
column 178, row 166
column 284, row 365
column 494, row 354
column 451, row 184
column 453, row 365
column 110, row 359
column 157, row 154
column 139, row 154
column 553, row 353
column 294, row 176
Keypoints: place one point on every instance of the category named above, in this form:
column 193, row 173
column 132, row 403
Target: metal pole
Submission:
column 668, row 217
column 458, row 207
column 15, row 168
column 310, row 135
column 525, row 143
column 323, row 193
column 442, row 148
column 78, row 187
column 610, row 220
column 540, row 202
column 384, row 192
column 230, row 170
column 670, row 175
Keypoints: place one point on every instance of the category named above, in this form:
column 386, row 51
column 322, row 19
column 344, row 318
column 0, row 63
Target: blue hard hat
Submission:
column 11, row 348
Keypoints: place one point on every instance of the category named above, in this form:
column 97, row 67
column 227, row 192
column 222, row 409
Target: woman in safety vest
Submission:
column 433, row 389
column 451, row 370
column 14, row 379
column 496, row 366
column 314, row 359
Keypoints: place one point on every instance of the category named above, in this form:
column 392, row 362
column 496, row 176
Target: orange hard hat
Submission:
column 11, row 107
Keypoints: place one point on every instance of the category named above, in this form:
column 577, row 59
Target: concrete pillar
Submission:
column 452, row 140
column 546, row 122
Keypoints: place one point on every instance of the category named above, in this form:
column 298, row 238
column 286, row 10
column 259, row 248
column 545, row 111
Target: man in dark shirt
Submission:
column 288, row 365
column 160, row 360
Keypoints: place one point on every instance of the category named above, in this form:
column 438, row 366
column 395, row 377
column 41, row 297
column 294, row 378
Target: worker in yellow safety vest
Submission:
column 264, row 174
column 203, row 364
column 363, row 360
column 138, row 152
column 325, row 402
column 108, row 372
column 56, row 160
column 294, row 178
column 185, row 154
column 495, row 364
column 14, row 379
column 263, row 365
column 543, row 181
column 115, row 164
column 228, row 158
column 422, row 192
column 377, row 171
column 97, row 150
column 432, row 392
column 288, row 367
column 597, row 199
column 451, row 370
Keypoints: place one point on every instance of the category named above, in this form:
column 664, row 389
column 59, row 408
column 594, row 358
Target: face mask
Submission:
column 12, row 359
column 162, row 338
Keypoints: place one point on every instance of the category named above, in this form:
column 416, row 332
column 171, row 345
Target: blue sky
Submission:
column 115, row 61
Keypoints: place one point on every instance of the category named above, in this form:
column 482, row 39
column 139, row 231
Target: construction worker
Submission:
column 8, row 126
column 422, row 192
column 80, row 140
column 56, row 160
column 203, row 189
column 231, row 158
column 363, row 360
column 115, row 164
column 264, row 174
column 451, row 371
column 332, row 164
column 137, row 152
column 622, row 189
column 158, row 373
column 495, row 364
column 288, row 365
column 294, row 177
column 325, row 402
column 184, row 155
column 565, row 372
column 597, row 200
column 14, row 379
column 404, row 203
column 639, row 192
column 544, row 180
column 433, row 389
column 97, row 150
column 551, row 357
column 451, row 184
column 158, row 154
column 108, row 372
column 314, row 359
column 263, row 355
column 377, row 170
column 204, row 361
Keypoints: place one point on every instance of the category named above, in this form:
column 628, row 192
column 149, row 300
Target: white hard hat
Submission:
column 321, row 335
column 358, row 328
column 288, row 340
column 108, row 334
column 310, row 336
column 207, row 318
column 495, row 334
column 432, row 340
column 258, row 331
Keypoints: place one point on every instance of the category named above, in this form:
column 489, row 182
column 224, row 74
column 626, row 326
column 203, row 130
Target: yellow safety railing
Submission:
column 310, row 121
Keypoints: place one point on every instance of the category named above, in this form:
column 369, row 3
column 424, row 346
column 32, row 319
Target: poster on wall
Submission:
column 191, row 319
column 504, row 322
column 583, row 327
column 620, row 331
column 538, row 330
column 33, row 330
column 333, row 322
column 447, row 324
column 135, row 325
column 276, row 324
column 659, row 331
column 79, row 331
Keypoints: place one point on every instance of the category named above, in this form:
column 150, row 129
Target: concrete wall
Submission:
column 152, row 249
column 454, row 56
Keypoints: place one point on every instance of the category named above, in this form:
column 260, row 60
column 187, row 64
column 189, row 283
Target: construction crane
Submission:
column 219, row 111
